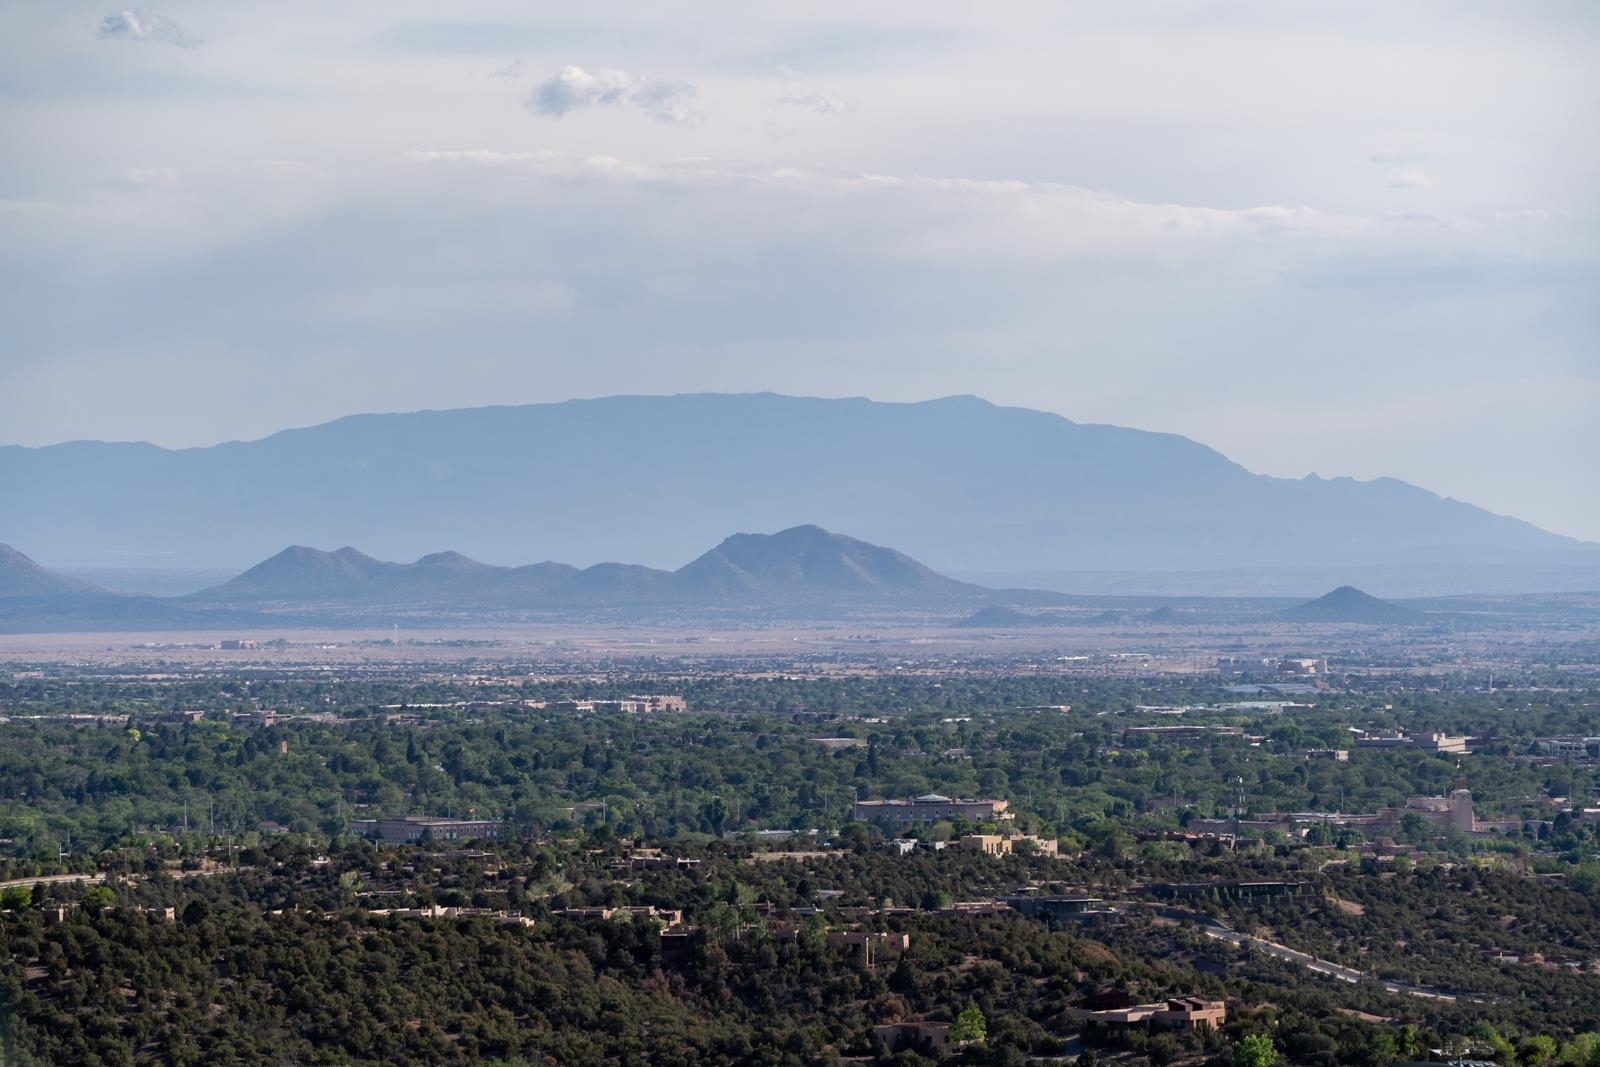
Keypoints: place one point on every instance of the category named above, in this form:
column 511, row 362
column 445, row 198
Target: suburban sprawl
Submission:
column 493, row 849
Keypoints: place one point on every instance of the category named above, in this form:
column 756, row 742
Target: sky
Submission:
column 1344, row 238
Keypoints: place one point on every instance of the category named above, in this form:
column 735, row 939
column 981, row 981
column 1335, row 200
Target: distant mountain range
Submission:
column 965, row 485
column 804, row 566
column 802, row 572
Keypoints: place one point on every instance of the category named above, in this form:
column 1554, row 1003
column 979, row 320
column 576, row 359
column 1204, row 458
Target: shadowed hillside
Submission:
column 22, row 577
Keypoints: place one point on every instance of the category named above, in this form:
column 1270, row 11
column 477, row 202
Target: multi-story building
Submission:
column 1452, row 812
column 409, row 829
column 1429, row 742
column 1437, row 742
column 653, row 702
column 631, row 705
column 929, row 808
column 1569, row 747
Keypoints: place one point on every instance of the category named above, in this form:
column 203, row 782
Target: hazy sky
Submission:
column 1345, row 238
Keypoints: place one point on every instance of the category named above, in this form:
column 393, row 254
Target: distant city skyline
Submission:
column 1349, row 239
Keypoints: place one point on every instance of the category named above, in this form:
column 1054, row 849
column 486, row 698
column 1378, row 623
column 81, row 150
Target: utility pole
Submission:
column 1238, row 808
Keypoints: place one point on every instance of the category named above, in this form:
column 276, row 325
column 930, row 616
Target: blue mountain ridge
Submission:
column 963, row 485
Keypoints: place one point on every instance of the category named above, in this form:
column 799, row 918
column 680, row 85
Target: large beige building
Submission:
column 988, row 844
column 1453, row 812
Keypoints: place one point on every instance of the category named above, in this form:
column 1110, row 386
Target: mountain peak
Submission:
column 450, row 560
column 300, row 571
column 1349, row 604
column 810, row 558
column 22, row 577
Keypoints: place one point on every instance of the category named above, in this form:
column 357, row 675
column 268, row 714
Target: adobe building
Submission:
column 865, row 946
column 988, row 844
column 916, row 1035
column 1183, row 1014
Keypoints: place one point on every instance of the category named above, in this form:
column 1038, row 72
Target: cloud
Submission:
column 1410, row 178
column 573, row 88
column 1392, row 158
column 146, row 25
column 512, row 69
column 948, row 219
column 813, row 99
column 150, row 176
column 1406, row 174
column 810, row 97
column 484, row 156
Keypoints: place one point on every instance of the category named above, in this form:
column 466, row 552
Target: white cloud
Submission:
column 483, row 156
column 814, row 99
column 512, row 69
column 804, row 96
column 1393, row 158
column 958, row 217
column 1410, row 178
column 573, row 87
column 146, row 25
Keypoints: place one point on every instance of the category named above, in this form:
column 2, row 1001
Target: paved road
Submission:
column 100, row 876
column 1309, row 962
column 36, row 879
column 1222, row 932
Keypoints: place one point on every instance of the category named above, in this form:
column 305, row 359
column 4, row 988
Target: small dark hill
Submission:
column 809, row 559
column 22, row 577
column 103, row 612
column 1163, row 616
column 620, row 580
column 1349, row 604
column 996, row 617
